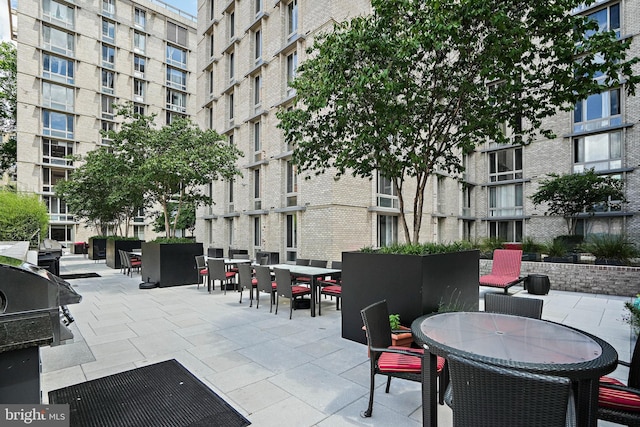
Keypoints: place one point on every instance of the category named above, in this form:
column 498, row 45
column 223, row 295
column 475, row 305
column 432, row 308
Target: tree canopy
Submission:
column 8, row 103
column 407, row 90
column 573, row 194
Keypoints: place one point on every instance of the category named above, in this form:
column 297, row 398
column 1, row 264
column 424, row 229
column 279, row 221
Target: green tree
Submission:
column 22, row 217
column 8, row 102
column 406, row 90
column 187, row 220
column 573, row 194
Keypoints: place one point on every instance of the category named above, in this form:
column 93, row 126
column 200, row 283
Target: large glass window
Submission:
column 176, row 101
column 51, row 176
column 505, row 165
column 57, row 96
column 505, row 200
column 292, row 19
column 176, row 78
column 108, row 56
column 292, row 66
column 58, row 13
column 176, row 56
column 58, row 41
column 57, row 124
column 108, row 31
column 387, row 196
column 600, row 152
column 387, row 230
column 55, row 152
column 608, row 19
column 177, row 34
column 598, row 111
column 109, row 7
column 508, row 231
column 139, row 42
column 56, row 68
column 58, row 212
column 108, row 81
column 107, row 107
column 139, row 64
column 138, row 90
column 140, row 18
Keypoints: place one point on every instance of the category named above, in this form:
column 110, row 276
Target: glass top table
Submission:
column 519, row 343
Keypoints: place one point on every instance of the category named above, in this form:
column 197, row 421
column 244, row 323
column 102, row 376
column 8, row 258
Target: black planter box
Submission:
column 170, row 264
column 113, row 256
column 97, row 248
column 215, row 252
column 413, row 285
column 537, row 284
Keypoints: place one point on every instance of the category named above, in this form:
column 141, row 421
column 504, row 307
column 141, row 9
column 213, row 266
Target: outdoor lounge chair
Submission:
column 620, row 403
column 399, row 362
column 506, row 304
column 526, row 399
column 505, row 271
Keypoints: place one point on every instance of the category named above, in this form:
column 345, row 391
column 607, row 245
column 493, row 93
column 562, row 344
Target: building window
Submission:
column 108, row 31
column 138, row 90
column 601, row 152
column 139, row 42
column 387, row 196
column 505, row 165
column 138, row 232
column 257, row 47
column 57, row 124
column 211, row 46
column 257, row 93
column 56, row 152
column 139, row 64
column 230, row 194
column 50, row 177
column 56, row 96
column 58, row 69
column 507, row 231
column 176, row 78
column 58, row 212
column 176, row 56
column 232, row 66
column 257, row 142
column 210, row 117
column 108, row 56
column 58, row 41
column 107, row 107
column 176, row 101
column 387, row 230
column 467, row 197
column 106, row 126
column 292, row 184
column 108, row 7
column 257, row 235
column 505, row 200
column 292, row 66
column 211, row 9
column 108, row 81
column 598, row 111
column 232, row 25
column 177, row 34
column 292, row 19
column 58, row 13
column 171, row 115
column 140, row 18
column 230, row 100
column 257, row 200
column 258, row 7
column 292, row 237
column 138, row 109
column 230, row 233
column 608, row 19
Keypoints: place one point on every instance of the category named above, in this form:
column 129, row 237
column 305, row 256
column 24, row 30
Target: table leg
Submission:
column 429, row 390
column 313, row 296
column 586, row 400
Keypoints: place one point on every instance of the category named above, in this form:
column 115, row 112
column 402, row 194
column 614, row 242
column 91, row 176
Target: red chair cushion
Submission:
column 496, row 280
column 136, row 263
column 617, row 399
column 229, row 274
column 329, row 281
column 394, row 362
column 300, row 290
column 333, row 290
column 254, row 282
column 204, row 271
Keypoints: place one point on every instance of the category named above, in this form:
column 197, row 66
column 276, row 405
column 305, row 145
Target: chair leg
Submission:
column 388, row 384
column 240, row 295
column 251, row 296
column 257, row 298
column 367, row 413
column 291, row 302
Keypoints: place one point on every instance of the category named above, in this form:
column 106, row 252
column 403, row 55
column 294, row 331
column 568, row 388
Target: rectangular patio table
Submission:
column 313, row 273
column 515, row 342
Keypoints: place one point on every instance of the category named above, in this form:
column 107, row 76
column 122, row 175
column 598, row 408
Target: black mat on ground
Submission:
column 78, row 276
column 162, row 394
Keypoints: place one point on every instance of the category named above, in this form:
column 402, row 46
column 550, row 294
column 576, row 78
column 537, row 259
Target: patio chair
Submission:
column 285, row 289
column 246, row 280
column 100, row 253
column 123, row 262
column 526, row 399
column 318, row 263
column 505, row 271
column 132, row 264
column 218, row 271
column 620, row 403
column 394, row 362
column 201, row 266
column 302, row 261
column 265, row 284
column 234, row 267
column 506, row 304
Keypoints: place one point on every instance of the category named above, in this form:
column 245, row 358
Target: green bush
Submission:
column 632, row 317
column 421, row 248
column 616, row 247
column 530, row 245
column 121, row 238
column 173, row 240
column 557, row 248
column 22, row 217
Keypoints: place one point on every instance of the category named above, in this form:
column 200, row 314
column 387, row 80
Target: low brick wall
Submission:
column 596, row 279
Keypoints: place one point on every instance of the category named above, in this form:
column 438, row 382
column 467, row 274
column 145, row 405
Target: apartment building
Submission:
column 247, row 53
column 76, row 59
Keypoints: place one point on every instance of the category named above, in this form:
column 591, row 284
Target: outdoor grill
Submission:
column 33, row 313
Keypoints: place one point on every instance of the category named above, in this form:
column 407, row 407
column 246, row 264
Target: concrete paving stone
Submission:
column 258, row 396
column 160, row 343
column 65, row 356
column 238, row 377
column 291, row 412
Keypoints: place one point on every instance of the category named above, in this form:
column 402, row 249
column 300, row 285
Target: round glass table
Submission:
column 519, row 343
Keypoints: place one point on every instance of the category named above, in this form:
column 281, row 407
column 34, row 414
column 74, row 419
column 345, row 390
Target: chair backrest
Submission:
column 244, row 273
column 507, row 304
column 283, row 279
column 122, row 257
column 264, row 260
column 376, row 321
column 216, row 269
column 200, row 262
column 336, row 264
column 263, row 274
column 634, row 369
column 507, row 262
column 318, row 263
column 302, row 261
column 240, row 256
column 492, row 396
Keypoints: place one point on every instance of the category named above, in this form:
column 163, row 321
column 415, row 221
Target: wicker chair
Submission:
column 201, row 266
column 505, row 304
column 620, row 403
column 265, row 284
column 505, row 270
column 217, row 271
column 246, row 280
column 398, row 362
column 484, row 395
column 286, row 289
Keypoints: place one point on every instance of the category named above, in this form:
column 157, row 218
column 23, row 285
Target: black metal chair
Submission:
column 123, row 262
column 285, row 289
column 484, row 395
column 246, row 280
column 201, row 266
column 218, row 271
column 398, row 362
column 506, row 304
column 265, row 284
column 620, row 403
column 302, row 261
column 318, row 263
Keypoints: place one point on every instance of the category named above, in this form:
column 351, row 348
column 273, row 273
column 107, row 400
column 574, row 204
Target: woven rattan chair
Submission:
column 505, row 270
column 218, row 271
column 398, row 362
column 620, row 403
column 286, row 289
column 489, row 396
column 246, row 280
column 201, row 266
column 506, row 304
column 265, row 284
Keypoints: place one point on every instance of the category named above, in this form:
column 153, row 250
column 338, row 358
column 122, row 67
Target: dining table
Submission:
column 313, row 273
column 515, row 342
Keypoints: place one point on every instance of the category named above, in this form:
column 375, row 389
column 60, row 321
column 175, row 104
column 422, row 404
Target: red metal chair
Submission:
column 505, row 271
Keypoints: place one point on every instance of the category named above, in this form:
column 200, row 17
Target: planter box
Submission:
column 113, row 257
column 412, row 285
column 170, row 264
column 97, row 248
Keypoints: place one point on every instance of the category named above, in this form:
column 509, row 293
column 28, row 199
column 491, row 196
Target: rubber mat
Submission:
column 158, row 395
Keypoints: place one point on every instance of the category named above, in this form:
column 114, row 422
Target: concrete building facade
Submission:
column 247, row 52
column 76, row 59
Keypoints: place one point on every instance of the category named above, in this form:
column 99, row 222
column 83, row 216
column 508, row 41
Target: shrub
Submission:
column 22, row 217
column 173, row 240
column 420, row 248
column 616, row 247
column 557, row 248
column 530, row 245
column 632, row 317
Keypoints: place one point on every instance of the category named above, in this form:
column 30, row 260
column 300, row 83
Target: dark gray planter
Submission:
column 413, row 285
column 537, row 284
column 113, row 246
column 170, row 264
column 97, row 248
